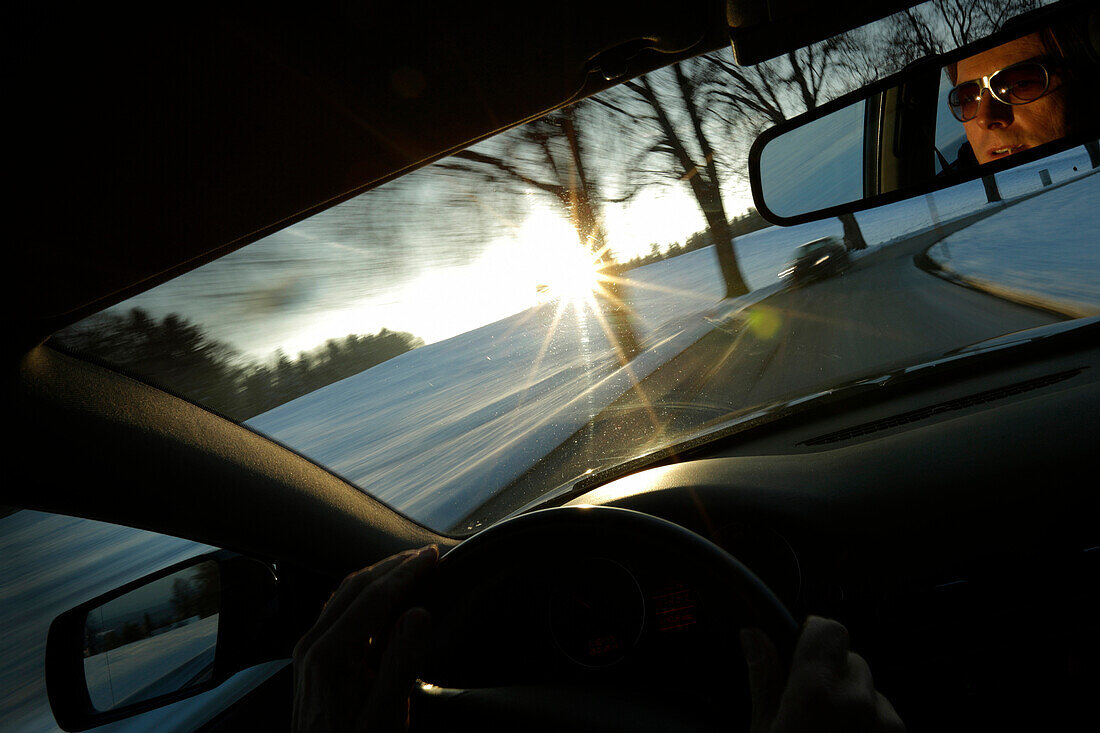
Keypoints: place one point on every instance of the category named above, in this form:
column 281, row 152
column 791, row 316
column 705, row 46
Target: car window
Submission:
column 50, row 563
column 595, row 286
column 811, row 247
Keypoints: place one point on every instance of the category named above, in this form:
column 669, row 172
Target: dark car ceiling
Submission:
column 148, row 143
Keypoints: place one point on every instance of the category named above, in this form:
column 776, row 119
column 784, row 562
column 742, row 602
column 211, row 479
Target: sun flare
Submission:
column 572, row 275
column 555, row 260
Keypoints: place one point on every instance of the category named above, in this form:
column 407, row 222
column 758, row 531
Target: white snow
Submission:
column 120, row 676
column 1014, row 250
column 436, row 431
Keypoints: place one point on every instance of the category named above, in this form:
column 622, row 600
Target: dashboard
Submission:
column 954, row 529
column 959, row 543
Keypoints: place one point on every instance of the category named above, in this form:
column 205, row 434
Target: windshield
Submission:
column 595, row 285
column 816, row 246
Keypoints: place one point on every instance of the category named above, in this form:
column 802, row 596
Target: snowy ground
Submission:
column 466, row 415
column 436, row 431
column 134, row 672
column 1018, row 253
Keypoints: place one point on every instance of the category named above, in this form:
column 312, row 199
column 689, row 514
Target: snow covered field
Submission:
column 465, row 416
column 149, row 667
column 1019, row 250
column 436, row 431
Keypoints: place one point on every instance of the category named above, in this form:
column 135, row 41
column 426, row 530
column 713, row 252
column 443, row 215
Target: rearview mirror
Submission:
column 165, row 637
column 1008, row 100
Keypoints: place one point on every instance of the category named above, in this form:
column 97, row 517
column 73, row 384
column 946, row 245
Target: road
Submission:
column 882, row 313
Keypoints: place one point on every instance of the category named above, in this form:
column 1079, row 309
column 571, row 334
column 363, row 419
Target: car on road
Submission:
column 816, row 260
column 293, row 290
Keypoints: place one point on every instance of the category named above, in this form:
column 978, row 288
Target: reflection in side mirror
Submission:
column 987, row 107
column 156, row 640
column 165, row 637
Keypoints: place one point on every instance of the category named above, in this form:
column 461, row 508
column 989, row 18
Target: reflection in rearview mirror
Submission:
column 934, row 125
column 155, row 640
column 1010, row 98
column 816, row 166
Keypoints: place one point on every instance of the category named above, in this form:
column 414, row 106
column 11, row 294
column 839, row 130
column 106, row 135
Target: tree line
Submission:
column 196, row 597
column 179, row 357
column 746, row 223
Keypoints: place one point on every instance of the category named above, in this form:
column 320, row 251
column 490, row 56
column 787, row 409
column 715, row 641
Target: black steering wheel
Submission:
column 592, row 618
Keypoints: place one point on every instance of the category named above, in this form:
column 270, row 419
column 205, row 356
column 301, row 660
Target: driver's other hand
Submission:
column 829, row 687
column 355, row 668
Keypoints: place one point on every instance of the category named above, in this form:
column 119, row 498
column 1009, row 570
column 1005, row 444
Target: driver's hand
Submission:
column 829, row 687
column 355, row 668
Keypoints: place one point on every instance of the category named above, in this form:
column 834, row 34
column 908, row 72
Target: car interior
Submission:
column 941, row 512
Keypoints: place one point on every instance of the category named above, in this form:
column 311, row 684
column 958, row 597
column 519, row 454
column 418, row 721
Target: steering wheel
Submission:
column 592, row 618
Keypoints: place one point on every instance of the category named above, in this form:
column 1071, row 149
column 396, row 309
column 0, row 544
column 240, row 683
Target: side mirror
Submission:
column 163, row 638
column 1024, row 94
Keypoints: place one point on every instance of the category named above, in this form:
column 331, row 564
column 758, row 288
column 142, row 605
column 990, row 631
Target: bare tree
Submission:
column 676, row 116
column 755, row 98
column 942, row 25
column 550, row 155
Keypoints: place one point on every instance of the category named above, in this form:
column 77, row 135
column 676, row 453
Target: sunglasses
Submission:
column 1018, row 84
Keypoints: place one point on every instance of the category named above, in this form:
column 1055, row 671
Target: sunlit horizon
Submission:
column 542, row 260
column 307, row 293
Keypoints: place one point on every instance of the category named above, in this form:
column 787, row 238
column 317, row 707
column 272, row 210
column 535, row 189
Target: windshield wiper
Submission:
column 1000, row 351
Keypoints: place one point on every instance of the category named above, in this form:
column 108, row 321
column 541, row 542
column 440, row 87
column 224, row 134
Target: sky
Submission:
column 342, row 272
column 441, row 302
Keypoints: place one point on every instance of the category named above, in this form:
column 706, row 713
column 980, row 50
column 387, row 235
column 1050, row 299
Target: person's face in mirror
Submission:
column 998, row 129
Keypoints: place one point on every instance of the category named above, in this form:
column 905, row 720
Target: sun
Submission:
column 568, row 272
column 552, row 255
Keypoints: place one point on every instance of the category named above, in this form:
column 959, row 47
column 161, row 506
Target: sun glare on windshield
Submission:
column 553, row 256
